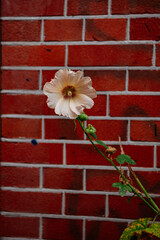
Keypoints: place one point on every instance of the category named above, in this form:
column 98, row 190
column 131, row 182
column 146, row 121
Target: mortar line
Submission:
column 43, row 129
column 66, row 56
column 110, row 8
column 63, row 203
column 42, row 30
column 107, row 206
column 41, row 178
column 40, row 80
column 127, row 80
column 65, row 8
column 64, row 154
column 84, row 229
column 83, row 30
column 154, row 55
column 128, row 30
column 84, row 179
column 155, row 157
column 40, row 227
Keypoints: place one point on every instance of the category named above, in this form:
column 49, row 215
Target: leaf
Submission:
column 121, row 159
column 125, row 158
column 117, row 184
column 122, row 191
column 153, row 229
column 93, row 135
column 101, row 143
column 129, row 189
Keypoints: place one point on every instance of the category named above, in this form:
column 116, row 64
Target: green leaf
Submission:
column 122, row 191
column 129, row 189
column 93, row 135
column 121, row 159
column 153, row 229
column 117, row 184
column 125, row 158
column 101, row 143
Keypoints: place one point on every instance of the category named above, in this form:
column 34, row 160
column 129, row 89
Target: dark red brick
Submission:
column 99, row 108
column 145, row 131
column 59, row 229
column 19, row 227
column 63, row 30
column 28, row 153
column 19, row 177
column 47, row 75
column 87, row 7
column 107, row 80
column 19, row 79
column 21, row 30
column 33, row 55
column 60, row 178
column 21, row 128
column 134, row 106
column 144, row 80
column 32, row 8
column 31, row 202
column 85, row 204
column 105, row 29
column 110, row 55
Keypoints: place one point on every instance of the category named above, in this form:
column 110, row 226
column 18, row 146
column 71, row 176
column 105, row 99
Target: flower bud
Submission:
column 90, row 129
column 83, row 117
column 110, row 150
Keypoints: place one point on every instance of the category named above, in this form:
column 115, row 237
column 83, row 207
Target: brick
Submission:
column 47, row 75
column 145, row 131
column 19, row 227
column 110, row 55
column 21, row 30
column 99, row 108
column 19, row 79
column 144, row 80
column 59, row 229
column 145, row 29
column 32, row 8
column 119, row 208
column 158, row 156
column 31, row 202
column 134, row 106
column 98, row 230
column 59, row 178
column 28, row 153
column 21, row 128
column 85, row 204
column 19, row 177
column 105, row 29
column 87, row 7
column 158, row 55
column 107, row 80
column 138, row 6
column 63, row 30
column 62, row 129
column 33, row 55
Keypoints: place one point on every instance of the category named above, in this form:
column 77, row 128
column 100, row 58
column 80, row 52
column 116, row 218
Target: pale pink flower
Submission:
column 69, row 93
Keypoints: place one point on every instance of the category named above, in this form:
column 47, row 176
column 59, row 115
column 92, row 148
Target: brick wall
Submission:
column 54, row 185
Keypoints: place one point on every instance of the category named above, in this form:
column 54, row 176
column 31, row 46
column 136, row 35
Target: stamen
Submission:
column 69, row 94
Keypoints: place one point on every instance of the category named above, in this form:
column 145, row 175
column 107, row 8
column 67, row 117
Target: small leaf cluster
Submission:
column 123, row 188
column 121, row 159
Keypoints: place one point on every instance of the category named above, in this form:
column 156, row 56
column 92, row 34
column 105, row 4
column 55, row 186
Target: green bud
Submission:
column 90, row 129
column 83, row 117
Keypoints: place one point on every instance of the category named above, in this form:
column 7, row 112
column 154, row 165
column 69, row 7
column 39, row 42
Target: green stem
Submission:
column 155, row 218
column 156, row 211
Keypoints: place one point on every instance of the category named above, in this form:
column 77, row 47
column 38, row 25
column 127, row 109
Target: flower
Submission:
column 69, row 93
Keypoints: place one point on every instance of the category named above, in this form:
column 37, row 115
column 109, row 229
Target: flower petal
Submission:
column 52, row 100
column 50, row 87
column 63, row 108
column 89, row 91
column 80, row 102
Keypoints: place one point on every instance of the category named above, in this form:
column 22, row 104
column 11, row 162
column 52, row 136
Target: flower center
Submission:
column 68, row 91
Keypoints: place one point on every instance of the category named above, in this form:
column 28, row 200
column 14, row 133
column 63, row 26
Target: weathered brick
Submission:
column 59, row 229
column 105, row 29
column 27, row 227
column 19, row 177
column 107, row 80
column 87, row 7
column 134, row 105
column 31, row 202
column 110, row 55
column 59, row 178
column 33, row 55
column 21, row 128
column 28, row 153
column 21, row 30
column 19, row 79
column 138, row 6
column 85, row 204
column 145, row 29
column 144, row 80
column 32, row 8
column 63, row 30
column 145, row 131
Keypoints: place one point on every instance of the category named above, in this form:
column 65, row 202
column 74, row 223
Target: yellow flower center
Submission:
column 69, row 91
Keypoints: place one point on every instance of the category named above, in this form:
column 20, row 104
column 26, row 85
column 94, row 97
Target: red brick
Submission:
column 85, row 204
column 145, row 131
column 99, row 108
column 47, row 75
column 110, row 55
column 28, row 153
column 59, row 229
column 105, row 29
column 158, row 156
column 119, row 208
column 19, row 79
column 134, row 106
column 21, row 128
column 144, row 80
column 138, row 6
column 19, row 227
column 59, row 178
column 158, row 55
column 32, row 8
column 98, row 230
column 19, row 177
column 145, row 29
column 107, row 80
column 63, row 30
column 31, row 202
column 21, row 30
column 62, row 129
column 87, row 7
column 33, row 55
